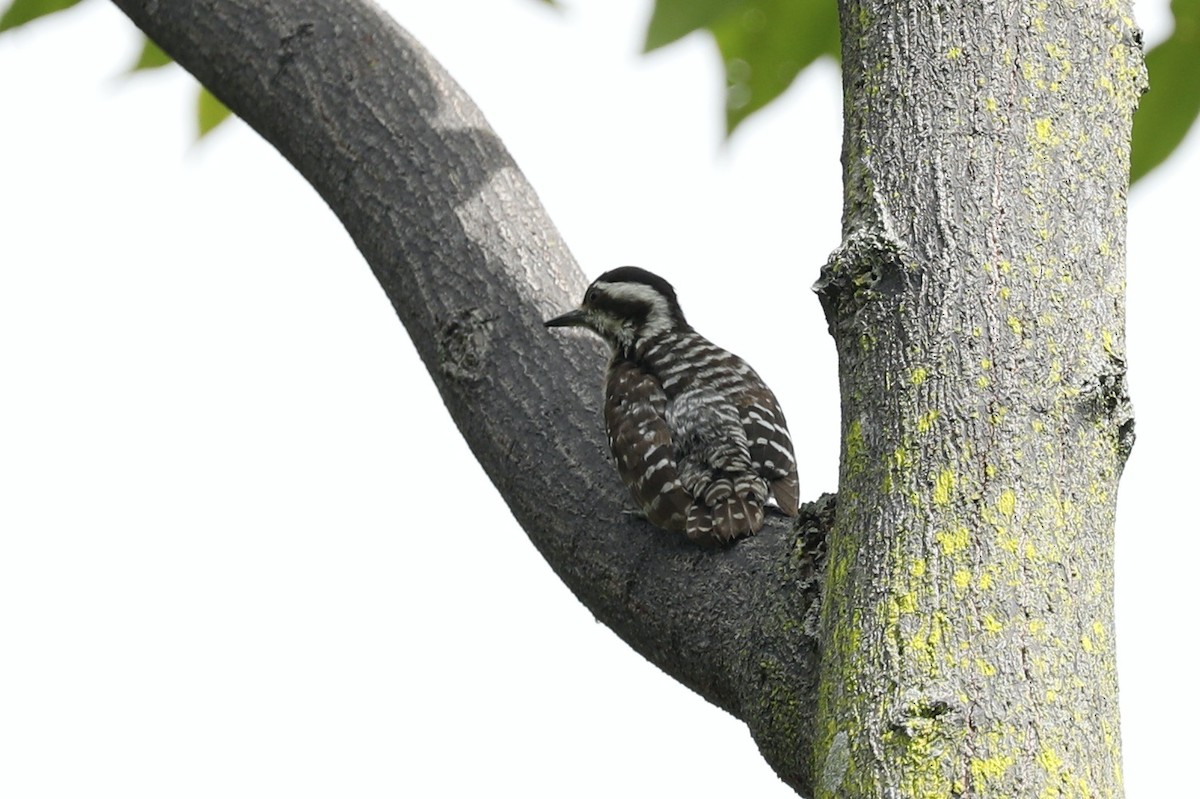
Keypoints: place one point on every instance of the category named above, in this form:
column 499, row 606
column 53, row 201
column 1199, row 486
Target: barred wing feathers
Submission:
column 635, row 409
column 699, row 440
column 771, row 449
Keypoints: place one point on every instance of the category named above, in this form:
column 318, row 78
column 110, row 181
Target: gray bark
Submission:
column 978, row 309
column 462, row 247
column 967, row 644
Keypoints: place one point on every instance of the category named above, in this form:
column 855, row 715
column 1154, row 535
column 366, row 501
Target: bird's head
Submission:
column 624, row 306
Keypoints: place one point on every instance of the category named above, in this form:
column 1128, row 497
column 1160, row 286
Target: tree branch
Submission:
column 463, row 249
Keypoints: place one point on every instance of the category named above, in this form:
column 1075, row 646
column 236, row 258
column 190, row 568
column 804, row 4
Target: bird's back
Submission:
column 698, row 437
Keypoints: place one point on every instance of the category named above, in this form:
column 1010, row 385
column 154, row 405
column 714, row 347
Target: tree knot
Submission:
column 1107, row 396
column 464, row 342
column 927, row 717
column 869, row 266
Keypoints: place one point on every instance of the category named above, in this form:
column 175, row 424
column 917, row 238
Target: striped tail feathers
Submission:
column 699, row 524
column 735, row 518
column 730, row 508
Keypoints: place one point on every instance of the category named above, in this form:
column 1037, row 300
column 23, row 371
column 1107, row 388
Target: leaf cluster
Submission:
column 765, row 44
column 210, row 112
column 1167, row 112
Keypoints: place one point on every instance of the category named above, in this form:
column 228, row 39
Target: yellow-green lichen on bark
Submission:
column 968, row 602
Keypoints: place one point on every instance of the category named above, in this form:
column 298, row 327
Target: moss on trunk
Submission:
column 977, row 304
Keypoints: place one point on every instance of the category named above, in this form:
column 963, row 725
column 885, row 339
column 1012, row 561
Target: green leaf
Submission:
column 766, row 44
column 1167, row 111
column 210, row 112
column 21, row 11
column 151, row 57
column 763, row 43
column 674, row 19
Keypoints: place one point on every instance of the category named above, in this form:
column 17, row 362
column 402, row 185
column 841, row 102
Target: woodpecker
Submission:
column 698, row 438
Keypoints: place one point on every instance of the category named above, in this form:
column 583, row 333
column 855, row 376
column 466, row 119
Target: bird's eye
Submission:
column 587, row 298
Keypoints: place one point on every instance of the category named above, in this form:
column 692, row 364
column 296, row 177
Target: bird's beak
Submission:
column 575, row 318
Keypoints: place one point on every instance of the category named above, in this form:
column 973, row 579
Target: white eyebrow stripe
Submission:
column 658, row 320
column 632, row 291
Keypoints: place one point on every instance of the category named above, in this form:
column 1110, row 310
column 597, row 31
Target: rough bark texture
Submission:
column 977, row 304
column 472, row 265
column 966, row 647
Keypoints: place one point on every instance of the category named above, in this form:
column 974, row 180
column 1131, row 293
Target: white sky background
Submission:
column 243, row 550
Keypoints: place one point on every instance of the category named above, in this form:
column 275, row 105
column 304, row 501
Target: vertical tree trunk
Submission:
column 977, row 303
column 966, row 640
